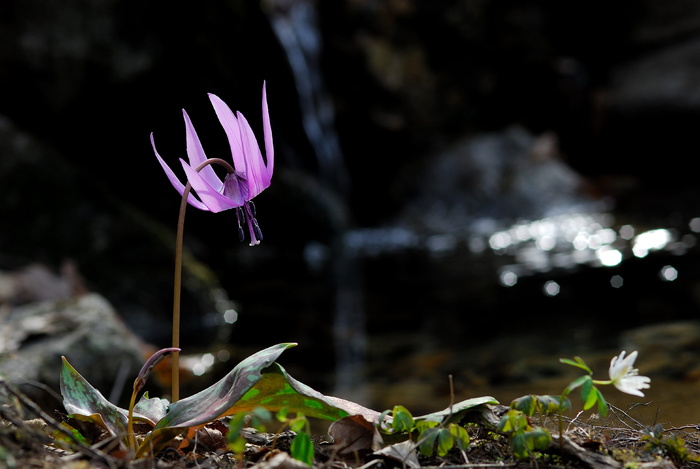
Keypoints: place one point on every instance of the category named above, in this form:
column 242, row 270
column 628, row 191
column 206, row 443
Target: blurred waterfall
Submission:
column 295, row 23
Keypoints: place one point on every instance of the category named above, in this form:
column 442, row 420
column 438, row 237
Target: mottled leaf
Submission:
column 82, row 399
column 151, row 410
column 277, row 390
column 217, row 400
column 214, row 402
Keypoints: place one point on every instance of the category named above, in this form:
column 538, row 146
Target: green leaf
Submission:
column 150, row 410
column 302, row 448
column 298, row 424
column 276, row 390
column 526, row 443
column 513, row 421
column 255, row 382
column 456, row 412
column 427, row 441
column 461, row 435
column 577, row 382
column 577, row 362
column 553, row 404
column 589, row 395
column 531, row 404
column 234, row 440
column 602, row 405
column 402, row 420
column 445, row 441
column 214, row 402
column 87, row 403
column 218, row 399
column 525, row 404
column 424, row 425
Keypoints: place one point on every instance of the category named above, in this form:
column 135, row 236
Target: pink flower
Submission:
column 248, row 177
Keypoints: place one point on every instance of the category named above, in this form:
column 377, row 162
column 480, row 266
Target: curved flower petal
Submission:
column 196, row 155
column 633, row 384
column 214, row 201
column 191, row 199
column 230, row 124
column 267, row 132
column 625, row 377
column 621, row 365
column 251, row 173
column 255, row 169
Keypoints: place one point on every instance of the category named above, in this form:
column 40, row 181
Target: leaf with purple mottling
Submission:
column 81, row 399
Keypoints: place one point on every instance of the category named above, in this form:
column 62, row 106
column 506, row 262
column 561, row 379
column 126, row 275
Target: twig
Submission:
column 31, row 405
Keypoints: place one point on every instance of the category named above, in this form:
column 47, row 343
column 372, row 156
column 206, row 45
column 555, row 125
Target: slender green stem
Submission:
column 175, row 359
column 130, row 421
column 175, row 390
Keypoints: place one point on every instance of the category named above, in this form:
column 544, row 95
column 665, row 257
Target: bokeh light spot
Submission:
column 551, row 288
column 668, row 273
column 616, row 281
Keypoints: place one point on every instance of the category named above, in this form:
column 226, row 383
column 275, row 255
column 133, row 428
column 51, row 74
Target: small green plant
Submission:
column 670, row 446
column 526, row 439
column 431, row 435
column 301, row 449
column 622, row 375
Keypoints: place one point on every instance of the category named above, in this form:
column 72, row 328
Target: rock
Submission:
column 85, row 329
column 36, row 282
column 503, row 176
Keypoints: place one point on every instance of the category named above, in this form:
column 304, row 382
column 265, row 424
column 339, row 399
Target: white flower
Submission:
column 624, row 377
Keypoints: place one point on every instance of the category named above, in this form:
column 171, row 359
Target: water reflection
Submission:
column 561, row 242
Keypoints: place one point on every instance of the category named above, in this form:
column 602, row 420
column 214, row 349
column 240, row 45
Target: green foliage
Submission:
column 255, row 419
column 590, row 394
column 433, row 433
column 258, row 391
column 525, row 444
column 402, row 420
column 525, row 439
column 302, row 447
column 577, row 362
column 532, row 404
column 441, row 438
column 255, row 382
column 671, row 446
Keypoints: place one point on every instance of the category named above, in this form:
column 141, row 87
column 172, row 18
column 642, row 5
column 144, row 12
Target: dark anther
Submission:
column 256, row 229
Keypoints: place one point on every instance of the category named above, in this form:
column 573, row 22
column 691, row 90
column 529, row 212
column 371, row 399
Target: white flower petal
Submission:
column 624, row 377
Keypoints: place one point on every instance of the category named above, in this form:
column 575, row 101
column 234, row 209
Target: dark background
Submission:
column 83, row 84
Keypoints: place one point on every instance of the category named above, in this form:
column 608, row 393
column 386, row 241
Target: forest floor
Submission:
column 28, row 439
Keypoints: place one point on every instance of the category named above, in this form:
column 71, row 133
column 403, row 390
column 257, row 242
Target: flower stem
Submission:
column 130, row 422
column 175, row 359
column 175, row 390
